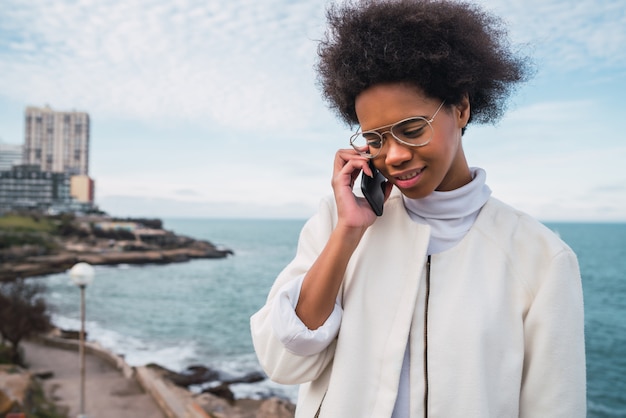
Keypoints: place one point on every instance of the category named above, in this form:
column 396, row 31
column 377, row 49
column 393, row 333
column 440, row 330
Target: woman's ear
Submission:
column 463, row 111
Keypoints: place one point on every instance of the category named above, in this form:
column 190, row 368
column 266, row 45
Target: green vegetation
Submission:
column 20, row 223
column 5, row 353
column 10, row 239
column 38, row 406
column 18, row 230
column 21, row 230
column 23, row 312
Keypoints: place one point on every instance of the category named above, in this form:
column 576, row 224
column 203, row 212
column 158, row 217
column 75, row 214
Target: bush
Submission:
column 38, row 406
column 10, row 239
column 5, row 354
column 23, row 312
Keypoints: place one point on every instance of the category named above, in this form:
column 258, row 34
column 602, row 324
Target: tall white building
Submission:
column 10, row 155
column 57, row 141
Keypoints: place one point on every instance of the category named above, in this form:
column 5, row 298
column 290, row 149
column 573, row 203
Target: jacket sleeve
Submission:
column 554, row 381
column 292, row 332
column 280, row 364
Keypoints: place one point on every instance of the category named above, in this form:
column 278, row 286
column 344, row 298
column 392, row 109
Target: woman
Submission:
column 450, row 304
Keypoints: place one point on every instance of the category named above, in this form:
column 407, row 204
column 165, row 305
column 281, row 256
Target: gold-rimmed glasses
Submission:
column 416, row 131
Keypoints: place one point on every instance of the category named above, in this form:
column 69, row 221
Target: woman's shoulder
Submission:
column 515, row 229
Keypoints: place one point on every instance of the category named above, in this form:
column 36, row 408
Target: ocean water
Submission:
column 601, row 251
column 198, row 312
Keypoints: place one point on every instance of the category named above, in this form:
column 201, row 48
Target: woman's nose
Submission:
column 395, row 153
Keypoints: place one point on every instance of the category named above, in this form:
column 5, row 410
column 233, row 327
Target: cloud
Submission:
column 566, row 35
column 243, row 64
column 186, row 192
column 227, row 63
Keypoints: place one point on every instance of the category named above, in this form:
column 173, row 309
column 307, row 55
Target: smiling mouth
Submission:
column 410, row 175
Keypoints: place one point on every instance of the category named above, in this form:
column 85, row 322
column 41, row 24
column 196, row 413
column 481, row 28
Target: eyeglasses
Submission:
column 413, row 132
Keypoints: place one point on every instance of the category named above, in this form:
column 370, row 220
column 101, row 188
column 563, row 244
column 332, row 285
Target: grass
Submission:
column 16, row 230
column 26, row 224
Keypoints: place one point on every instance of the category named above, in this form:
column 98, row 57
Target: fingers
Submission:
column 348, row 165
column 353, row 211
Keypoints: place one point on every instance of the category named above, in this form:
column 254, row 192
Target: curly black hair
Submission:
column 447, row 49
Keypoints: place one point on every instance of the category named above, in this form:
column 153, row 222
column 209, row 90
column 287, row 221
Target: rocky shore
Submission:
column 97, row 241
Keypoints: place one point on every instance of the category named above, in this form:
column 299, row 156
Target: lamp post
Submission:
column 82, row 274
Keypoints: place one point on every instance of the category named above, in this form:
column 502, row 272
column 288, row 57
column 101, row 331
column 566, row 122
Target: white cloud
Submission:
column 227, row 62
column 568, row 35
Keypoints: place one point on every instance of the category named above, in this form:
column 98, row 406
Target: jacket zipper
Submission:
column 426, row 338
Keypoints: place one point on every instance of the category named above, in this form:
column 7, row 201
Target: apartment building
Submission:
column 57, row 141
column 10, row 155
column 28, row 187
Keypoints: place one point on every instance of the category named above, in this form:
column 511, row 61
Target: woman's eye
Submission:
column 373, row 140
column 413, row 133
column 411, row 129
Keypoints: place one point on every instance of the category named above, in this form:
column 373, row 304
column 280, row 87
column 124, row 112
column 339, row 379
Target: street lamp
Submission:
column 82, row 274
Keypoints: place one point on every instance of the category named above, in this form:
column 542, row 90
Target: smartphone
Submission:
column 373, row 189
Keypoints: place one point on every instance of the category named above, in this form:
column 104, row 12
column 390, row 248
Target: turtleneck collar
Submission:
column 450, row 214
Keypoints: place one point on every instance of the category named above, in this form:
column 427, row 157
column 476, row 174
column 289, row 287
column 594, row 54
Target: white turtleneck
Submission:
column 450, row 216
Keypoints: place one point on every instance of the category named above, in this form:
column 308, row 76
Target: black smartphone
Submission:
column 373, row 189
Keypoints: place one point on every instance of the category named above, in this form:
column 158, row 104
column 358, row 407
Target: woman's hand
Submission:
column 353, row 211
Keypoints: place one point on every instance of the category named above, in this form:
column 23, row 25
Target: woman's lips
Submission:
column 408, row 179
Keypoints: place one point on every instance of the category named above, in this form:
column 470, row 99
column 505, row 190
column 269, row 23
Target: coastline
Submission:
column 39, row 247
column 173, row 401
column 154, row 248
column 44, row 265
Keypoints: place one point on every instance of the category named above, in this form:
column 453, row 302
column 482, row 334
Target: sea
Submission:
column 197, row 312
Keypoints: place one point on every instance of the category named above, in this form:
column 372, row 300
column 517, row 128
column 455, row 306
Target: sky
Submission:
column 210, row 108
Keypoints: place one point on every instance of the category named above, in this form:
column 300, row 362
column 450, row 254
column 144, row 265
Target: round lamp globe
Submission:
column 82, row 274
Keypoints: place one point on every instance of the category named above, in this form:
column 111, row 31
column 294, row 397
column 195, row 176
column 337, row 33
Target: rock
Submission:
column 193, row 375
column 44, row 375
column 222, row 391
column 70, row 334
column 14, row 386
column 6, row 403
column 215, row 406
column 252, row 377
column 276, row 408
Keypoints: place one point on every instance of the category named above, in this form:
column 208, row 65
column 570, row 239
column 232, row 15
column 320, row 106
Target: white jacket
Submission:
column 504, row 335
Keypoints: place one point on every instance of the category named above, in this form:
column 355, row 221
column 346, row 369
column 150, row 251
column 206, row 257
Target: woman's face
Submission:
column 416, row 171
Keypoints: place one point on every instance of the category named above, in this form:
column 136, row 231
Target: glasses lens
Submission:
column 415, row 131
column 367, row 144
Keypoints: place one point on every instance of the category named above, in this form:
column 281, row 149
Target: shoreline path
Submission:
column 108, row 394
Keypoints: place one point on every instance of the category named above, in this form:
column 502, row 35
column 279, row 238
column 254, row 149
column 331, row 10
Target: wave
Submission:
column 180, row 356
column 135, row 351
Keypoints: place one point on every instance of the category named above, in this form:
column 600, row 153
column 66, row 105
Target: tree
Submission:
column 23, row 312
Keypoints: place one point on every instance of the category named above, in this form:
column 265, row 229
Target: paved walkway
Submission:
column 108, row 393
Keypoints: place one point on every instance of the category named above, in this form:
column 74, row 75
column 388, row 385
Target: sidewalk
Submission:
column 108, row 393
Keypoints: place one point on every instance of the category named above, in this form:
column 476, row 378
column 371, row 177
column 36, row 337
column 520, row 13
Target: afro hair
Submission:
column 448, row 49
